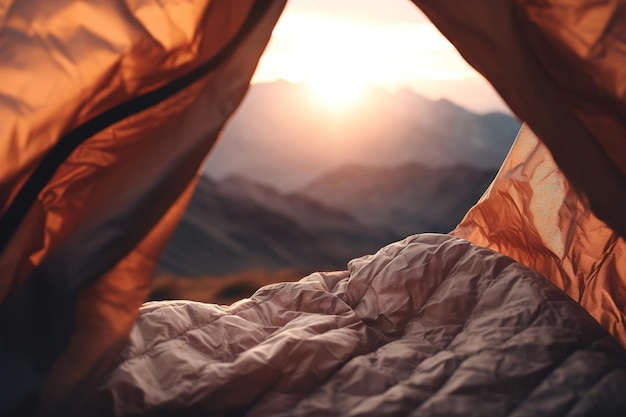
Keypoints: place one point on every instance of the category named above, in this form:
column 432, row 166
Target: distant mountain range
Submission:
column 407, row 199
column 283, row 137
column 295, row 187
column 236, row 225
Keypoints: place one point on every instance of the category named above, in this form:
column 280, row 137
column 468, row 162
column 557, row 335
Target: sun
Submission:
column 335, row 90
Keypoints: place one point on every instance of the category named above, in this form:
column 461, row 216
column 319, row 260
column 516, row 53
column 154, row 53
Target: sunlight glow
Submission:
column 384, row 55
column 339, row 55
column 336, row 92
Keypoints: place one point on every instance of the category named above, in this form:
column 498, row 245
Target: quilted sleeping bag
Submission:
column 429, row 326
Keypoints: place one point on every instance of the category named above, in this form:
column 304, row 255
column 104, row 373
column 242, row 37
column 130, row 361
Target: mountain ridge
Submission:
column 234, row 225
column 294, row 184
column 224, row 231
column 282, row 137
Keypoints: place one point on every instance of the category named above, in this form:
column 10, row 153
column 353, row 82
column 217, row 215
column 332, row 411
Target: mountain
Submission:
column 282, row 137
column 236, row 225
column 408, row 199
column 309, row 214
column 294, row 185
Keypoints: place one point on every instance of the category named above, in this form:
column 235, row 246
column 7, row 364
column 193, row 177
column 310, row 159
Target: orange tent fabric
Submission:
column 561, row 67
column 531, row 213
column 110, row 110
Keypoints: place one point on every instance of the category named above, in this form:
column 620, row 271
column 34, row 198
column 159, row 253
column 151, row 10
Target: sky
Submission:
column 339, row 46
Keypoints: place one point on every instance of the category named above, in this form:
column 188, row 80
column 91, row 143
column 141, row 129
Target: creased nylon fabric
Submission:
column 561, row 67
column 531, row 213
column 75, row 60
column 429, row 326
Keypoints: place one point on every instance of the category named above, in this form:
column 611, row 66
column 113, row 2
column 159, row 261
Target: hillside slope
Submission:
column 408, row 199
column 238, row 226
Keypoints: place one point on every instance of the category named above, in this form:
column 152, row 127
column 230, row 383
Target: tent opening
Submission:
column 362, row 125
column 108, row 112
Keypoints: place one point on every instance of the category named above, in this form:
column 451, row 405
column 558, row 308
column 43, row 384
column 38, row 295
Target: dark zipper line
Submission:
column 15, row 214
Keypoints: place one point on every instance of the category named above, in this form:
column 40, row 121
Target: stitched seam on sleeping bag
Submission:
column 541, row 307
column 464, row 356
column 254, row 303
column 535, row 314
column 495, row 274
column 251, row 302
column 354, row 304
column 496, row 348
column 556, row 366
column 445, row 348
column 590, row 388
column 186, row 330
column 417, row 242
column 586, row 392
column 480, row 297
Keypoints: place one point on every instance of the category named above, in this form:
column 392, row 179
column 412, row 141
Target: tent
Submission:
column 108, row 109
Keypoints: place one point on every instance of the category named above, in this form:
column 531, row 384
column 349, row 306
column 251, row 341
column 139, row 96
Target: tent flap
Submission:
column 531, row 213
column 128, row 112
column 559, row 65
